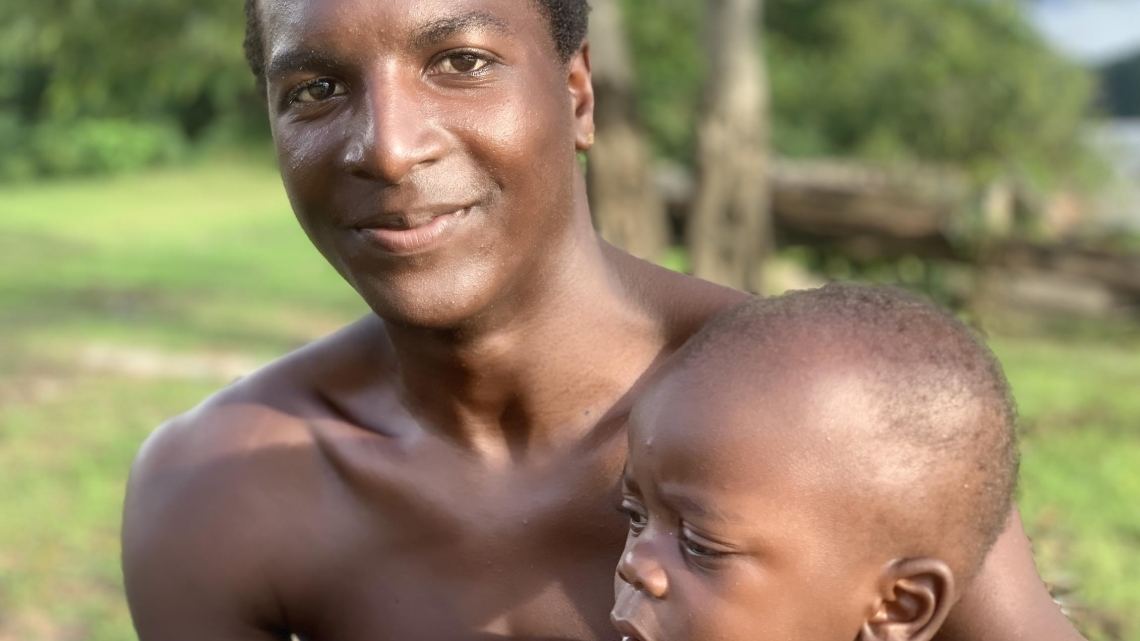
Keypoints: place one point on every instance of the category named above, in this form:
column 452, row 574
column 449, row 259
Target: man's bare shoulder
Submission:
column 271, row 408
column 684, row 303
column 210, row 488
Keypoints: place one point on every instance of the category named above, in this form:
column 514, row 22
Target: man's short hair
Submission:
column 923, row 366
column 568, row 23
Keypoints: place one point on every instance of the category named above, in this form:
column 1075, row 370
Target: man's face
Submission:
column 428, row 148
column 738, row 530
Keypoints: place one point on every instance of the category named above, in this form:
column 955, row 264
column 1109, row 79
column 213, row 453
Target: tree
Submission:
column 968, row 83
column 627, row 209
column 115, row 84
column 962, row 82
column 729, row 228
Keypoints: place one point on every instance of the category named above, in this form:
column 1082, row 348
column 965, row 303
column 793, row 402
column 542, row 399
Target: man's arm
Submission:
column 192, row 559
column 1008, row 601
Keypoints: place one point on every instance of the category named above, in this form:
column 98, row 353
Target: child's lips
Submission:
column 628, row 630
column 629, row 616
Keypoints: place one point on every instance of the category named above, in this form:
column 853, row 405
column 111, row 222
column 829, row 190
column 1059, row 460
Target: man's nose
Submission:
column 640, row 565
column 399, row 131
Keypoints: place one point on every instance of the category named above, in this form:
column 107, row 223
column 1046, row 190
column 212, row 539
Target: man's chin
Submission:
column 424, row 306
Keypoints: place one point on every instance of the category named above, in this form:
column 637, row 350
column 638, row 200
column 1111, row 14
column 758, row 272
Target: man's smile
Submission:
column 409, row 234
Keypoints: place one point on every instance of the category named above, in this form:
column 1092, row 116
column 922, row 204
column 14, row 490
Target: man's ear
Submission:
column 582, row 97
column 915, row 596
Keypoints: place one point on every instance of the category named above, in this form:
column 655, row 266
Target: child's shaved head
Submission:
column 825, row 465
column 945, row 412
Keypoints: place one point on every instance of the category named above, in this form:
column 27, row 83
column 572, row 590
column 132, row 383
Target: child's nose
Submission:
column 640, row 568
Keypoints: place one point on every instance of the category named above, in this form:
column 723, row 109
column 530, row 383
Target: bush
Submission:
column 15, row 162
column 86, row 147
column 958, row 82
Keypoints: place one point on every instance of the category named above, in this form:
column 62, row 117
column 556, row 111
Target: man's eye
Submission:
column 463, row 63
column 318, row 90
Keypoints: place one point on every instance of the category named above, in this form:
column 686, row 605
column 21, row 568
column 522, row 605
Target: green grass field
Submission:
column 124, row 301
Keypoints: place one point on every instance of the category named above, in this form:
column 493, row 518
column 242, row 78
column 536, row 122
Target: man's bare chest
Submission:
column 459, row 554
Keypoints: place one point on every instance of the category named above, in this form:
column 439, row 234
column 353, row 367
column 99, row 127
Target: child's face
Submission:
column 739, row 529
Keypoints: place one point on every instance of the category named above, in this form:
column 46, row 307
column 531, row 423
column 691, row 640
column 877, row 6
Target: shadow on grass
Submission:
column 202, row 320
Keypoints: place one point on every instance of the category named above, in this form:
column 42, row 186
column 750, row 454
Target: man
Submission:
column 447, row 468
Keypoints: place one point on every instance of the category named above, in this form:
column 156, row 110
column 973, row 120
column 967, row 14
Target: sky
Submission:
column 1091, row 31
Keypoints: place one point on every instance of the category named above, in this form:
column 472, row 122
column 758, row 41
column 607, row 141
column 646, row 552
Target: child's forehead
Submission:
column 759, row 489
column 724, row 427
column 793, row 424
column 736, row 397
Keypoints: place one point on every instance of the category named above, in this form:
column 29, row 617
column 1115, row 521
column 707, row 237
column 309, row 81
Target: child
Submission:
column 829, row 465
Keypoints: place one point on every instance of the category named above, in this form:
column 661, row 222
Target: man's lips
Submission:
column 406, row 235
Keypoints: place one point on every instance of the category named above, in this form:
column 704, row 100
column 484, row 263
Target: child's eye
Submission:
column 695, row 547
column 637, row 519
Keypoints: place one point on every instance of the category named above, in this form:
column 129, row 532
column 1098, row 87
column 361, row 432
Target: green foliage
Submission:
column 91, row 146
column 665, row 41
column 92, row 86
column 956, row 81
column 952, row 81
column 944, row 81
column 84, row 146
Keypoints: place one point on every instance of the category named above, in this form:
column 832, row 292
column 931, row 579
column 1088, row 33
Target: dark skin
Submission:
column 447, row 468
column 765, row 504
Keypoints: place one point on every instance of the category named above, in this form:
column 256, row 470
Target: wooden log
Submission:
column 839, row 199
column 864, row 212
column 1116, row 270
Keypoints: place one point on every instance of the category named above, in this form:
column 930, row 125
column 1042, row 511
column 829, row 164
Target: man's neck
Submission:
column 540, row 371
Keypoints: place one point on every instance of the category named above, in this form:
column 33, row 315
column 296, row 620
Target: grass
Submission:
column 1080, row 494
column 176, row 258
column 208, row 264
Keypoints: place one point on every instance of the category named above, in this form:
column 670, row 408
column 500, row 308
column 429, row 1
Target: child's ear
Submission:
column 914, row 598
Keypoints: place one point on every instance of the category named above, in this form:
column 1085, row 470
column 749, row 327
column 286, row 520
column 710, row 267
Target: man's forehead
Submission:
column 393, row 18
column 301, row 34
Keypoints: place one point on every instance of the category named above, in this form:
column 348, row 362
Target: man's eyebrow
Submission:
column 439, row 30
column 299, row 59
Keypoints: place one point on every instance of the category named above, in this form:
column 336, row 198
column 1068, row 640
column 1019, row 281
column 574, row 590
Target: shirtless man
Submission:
column 449, row 467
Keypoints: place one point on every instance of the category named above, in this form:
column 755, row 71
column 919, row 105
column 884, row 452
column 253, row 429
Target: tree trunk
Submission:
column 628, row 212
column 730, row 228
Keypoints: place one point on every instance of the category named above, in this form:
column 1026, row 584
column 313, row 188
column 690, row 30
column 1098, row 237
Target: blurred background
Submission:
column 986, row 152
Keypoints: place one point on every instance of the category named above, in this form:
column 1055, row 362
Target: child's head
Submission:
column 828, row 465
